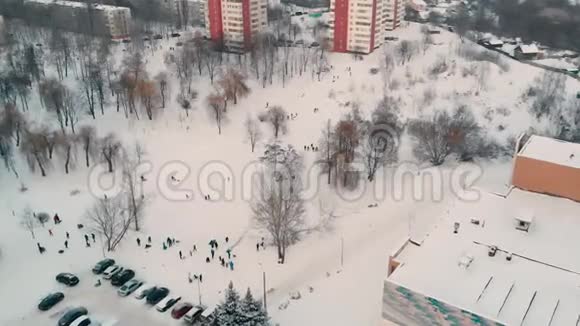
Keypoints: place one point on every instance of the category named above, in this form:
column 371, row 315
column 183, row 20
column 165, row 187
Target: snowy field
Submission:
column 331, row 294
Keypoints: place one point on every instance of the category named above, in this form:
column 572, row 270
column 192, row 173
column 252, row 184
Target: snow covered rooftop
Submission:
column 529, row 48
column 75, row 4
column 541, row 282
column 552, row 150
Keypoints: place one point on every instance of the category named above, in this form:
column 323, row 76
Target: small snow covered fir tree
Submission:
column 253, row 312
column 229, row 313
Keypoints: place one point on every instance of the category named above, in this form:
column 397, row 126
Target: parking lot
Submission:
column 103, row 304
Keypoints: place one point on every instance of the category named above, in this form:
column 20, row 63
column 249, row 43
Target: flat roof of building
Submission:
column 541, row 282
column 77, row 4
column 552, row 150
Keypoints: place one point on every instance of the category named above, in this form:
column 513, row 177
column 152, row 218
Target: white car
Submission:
column 143, row 290
column 193, row 315
column 84, row 321
column 167, row 303
column 129, row 287
column 112, row 271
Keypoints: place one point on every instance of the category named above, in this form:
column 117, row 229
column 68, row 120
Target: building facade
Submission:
column 97, row 19
column 189, row 12
column 235, row 23
column 360, row 25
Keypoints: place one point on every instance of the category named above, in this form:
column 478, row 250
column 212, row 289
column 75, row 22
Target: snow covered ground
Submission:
column 341, row 295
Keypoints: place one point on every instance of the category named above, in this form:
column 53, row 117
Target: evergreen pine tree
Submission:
column 229, row 312
column 253, row 312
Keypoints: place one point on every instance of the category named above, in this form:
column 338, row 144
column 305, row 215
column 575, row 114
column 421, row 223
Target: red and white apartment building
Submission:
column 235, row 22
column 360, row 25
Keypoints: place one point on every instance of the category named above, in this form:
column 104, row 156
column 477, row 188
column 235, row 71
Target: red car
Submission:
column 181, row 309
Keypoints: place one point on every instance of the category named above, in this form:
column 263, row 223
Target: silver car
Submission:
column 129, row 287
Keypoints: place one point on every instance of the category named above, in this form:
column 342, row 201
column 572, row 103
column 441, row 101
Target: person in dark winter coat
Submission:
column 93, row 236
column 194, row 248
column 50, row 232
column 229, row 252
column 207, row 259
column 41, row 249
column 139, row 242
column 258, row 246
column 212, row 253
column 149, row 239
column 67, row 235
column 227, row 239
column 86, row 239
column 231, row 265
column 200, row 278
column 180, row 255
column 66, row 244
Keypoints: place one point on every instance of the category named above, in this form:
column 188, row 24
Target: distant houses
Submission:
column 527, row 52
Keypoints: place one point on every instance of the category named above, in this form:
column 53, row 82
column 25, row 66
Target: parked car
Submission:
column 157, row 295
column 129, row 287
column 175, row 35
column 314, row 44
column 112, row 271
column 71, row 315
column 157, row 37
column 144, row 291
column 167, row 303
column 126, row 41
column 179, row 44
column 50, row 301
column 181, row 309
column 84, row 321
column 299, row 42
column 101, row 266
column 122, row 277
column 68, row 279
column 208, row 316
column 193, row 315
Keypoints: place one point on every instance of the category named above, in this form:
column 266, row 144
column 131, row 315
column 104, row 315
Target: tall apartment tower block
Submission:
column 235, row 22
column 360, row 25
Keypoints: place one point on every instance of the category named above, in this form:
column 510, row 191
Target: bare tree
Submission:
column 216, row 104
column 53, row 95
column 162, row 80
column 234, row 85
column 548, row 92
column 148, row 94
column 66, row 149
column 28, row 221
column 253, row 132
column 134, row 192
column 35, row 149
column 327, row 155
column 87, row 138
column 110, row 149
column 109, row 218
column 279, row 208
column 405, row 50
column 277, row 118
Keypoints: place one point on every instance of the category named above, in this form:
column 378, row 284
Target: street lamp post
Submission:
column 199, row 291
column 264, row 287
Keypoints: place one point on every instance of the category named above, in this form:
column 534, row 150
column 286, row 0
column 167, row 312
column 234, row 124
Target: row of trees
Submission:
column 42, row 147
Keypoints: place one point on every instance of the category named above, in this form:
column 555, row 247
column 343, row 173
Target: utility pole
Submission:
column 341, row 252
column 264, row 283
column 199, row 291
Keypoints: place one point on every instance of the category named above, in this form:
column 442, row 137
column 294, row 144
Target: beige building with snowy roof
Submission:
column 548, row 166
column 500, row 260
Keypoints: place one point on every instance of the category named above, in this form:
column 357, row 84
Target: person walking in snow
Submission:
column 66, row 244
column 180, row 255
column 231, row 265
column 257, row 246
column 149, row 239
column 50, row 232
column 194, row 248
column 200, row 278
column 229, row 252
column 227, row 239
column 212, row 253
column 88, row 244
column 67, row 235
column 93, row 236
column 138, row 242
column 207, row 259
column 86, row 239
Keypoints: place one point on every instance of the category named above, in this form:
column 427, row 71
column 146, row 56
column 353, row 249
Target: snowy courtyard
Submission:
column 196, row 179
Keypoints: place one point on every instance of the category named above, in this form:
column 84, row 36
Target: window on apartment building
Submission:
column 362, row 24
